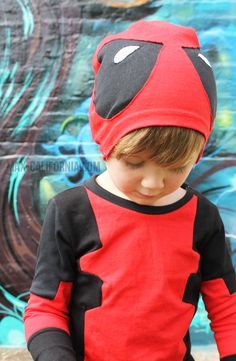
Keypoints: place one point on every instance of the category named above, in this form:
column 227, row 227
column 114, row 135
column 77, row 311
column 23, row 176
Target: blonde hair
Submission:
column 168, row 145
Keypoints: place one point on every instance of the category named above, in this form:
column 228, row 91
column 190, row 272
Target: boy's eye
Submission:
column 179, row 170
column 133, row 165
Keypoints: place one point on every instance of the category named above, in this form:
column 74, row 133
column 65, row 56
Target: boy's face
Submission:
column 143, row 181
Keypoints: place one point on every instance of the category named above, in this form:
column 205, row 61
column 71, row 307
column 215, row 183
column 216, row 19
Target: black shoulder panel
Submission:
column 69, row 230
column 55, row 257
column 209, row 241
column 76, row 208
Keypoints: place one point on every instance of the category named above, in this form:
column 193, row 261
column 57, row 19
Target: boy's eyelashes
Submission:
column 133, row 165
column 140, row 164
column 179, row 170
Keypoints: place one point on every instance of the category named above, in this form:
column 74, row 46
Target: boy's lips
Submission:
column 147, row 195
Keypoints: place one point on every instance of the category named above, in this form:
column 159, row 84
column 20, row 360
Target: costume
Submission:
column 124, row 279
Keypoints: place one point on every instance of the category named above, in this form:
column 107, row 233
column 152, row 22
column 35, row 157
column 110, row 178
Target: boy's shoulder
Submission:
column 71, row 199
column 69, row 193
column 205, row 206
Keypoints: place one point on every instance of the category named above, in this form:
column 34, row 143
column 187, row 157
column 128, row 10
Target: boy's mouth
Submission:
column 146, row 195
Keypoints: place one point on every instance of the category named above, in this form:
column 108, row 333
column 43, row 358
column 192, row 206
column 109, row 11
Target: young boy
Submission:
column 123, row 257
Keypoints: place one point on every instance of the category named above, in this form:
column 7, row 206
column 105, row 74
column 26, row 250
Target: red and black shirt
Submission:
column 120, row 281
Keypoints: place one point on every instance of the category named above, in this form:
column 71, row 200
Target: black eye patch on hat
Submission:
column 204, row 70
column 125, row 67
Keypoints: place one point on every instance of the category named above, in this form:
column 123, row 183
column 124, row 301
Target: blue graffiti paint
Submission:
column 11, row 325
column 4, row 63
column 43, row 90
column 18, row 171
column 9, row 96
column 28, row 18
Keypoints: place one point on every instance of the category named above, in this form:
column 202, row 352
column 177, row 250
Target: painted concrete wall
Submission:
column 46, row 80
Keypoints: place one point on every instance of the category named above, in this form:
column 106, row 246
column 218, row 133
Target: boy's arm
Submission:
column 46, row 316
column 218, row 287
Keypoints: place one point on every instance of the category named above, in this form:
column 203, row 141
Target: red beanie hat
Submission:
column 152, row 74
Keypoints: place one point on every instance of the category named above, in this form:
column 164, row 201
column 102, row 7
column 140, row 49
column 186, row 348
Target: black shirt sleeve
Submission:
column 218, row 287
column 47, row 316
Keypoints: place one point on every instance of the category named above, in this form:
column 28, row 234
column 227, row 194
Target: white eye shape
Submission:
column 124, row 52
column 204, row 59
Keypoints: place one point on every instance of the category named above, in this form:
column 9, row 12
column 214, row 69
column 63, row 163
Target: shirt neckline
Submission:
column 93, row 186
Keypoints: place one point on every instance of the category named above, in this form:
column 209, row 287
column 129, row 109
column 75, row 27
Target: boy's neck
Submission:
column 105, row 181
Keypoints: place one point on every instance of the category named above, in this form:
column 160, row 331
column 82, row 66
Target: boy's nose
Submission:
column 153, row 182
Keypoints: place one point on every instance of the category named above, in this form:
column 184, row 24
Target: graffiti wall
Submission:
column 45, row 142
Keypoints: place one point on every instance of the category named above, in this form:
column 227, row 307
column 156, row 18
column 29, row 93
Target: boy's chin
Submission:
column 144, row 199
column 158, row 199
